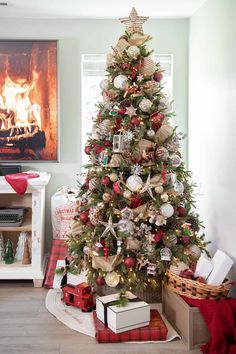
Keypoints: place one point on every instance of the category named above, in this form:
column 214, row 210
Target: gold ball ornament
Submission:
column 127, row 194
column 113, row 177
column 145, row 105
column 100, row 205
column 194, row 251
column 134, row 183
column 107, row 197
column 164, row 197
column 112, row 279
column 159, row 189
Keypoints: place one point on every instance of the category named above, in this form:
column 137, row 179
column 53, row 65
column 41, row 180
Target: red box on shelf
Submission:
column 156, row 331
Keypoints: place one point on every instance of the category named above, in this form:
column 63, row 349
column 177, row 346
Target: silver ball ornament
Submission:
column 151, row 133
column 167, row 210
column 104, row 84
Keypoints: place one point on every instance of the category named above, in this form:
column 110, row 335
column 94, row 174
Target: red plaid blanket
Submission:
column 58, row 251
column 156, row 331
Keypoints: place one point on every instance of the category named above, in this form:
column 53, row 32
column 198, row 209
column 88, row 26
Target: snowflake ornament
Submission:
column 136, row 169
column 128, row 135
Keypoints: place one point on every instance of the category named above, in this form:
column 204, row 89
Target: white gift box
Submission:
column 122, row 318
column 204, row 267
column 221, row 266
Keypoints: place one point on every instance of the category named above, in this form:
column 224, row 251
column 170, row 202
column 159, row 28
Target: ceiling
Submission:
column 68, row 9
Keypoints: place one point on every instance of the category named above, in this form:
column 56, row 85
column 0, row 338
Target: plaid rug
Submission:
column 58, row 251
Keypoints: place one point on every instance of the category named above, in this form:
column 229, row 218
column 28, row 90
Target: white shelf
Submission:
column 34, row 222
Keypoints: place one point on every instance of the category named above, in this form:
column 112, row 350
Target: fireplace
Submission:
column 28, row 100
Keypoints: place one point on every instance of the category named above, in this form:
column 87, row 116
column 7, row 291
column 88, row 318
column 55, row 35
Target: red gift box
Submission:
column 156, row 331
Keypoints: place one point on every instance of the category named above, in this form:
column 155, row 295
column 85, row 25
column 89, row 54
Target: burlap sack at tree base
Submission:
column 107, row 264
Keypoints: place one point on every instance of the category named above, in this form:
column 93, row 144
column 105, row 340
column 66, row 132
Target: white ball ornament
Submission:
column 112, row 279
column 176, row 160
column 145, row 105
column 134, row 183
column 86, row 250
column 133, row 51
column 167, row 210
column 179, row 188
column 104, row 84
column 150, row 133
column 121, row 82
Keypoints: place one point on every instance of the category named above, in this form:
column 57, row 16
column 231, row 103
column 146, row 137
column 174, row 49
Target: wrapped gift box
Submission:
column 122, row 318
column 155, row 331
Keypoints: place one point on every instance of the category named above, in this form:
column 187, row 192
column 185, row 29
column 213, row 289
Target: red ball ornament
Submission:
column 116, row 188
column 130, row 262
column 105, row 181
column 99, row 149
column 158, row 235
column 88, row 149
column 84, row 216
column 181, row 211
column 158, row 76
column 107, row 143
column 100, row 281
column 135, row 120
column 184, row 240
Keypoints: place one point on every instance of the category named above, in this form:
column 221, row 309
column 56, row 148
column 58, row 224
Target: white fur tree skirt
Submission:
column 82, row 322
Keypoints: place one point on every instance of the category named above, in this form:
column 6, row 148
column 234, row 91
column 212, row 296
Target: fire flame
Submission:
column 16, row 109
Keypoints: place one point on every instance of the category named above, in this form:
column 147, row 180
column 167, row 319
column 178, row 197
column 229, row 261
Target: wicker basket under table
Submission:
column 197, row 290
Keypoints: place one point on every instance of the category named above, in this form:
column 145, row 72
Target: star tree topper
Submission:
column 134, row 23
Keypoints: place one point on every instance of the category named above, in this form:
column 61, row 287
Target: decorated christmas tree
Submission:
column 135, row 210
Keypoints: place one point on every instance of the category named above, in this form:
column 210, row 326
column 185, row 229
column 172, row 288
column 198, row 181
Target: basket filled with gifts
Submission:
column 208, row 280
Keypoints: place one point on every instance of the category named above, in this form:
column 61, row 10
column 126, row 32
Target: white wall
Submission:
column 94, row 36
column 212, row 119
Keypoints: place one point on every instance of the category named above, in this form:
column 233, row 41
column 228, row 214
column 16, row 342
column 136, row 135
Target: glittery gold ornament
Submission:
column 107, row 197
column 112, row 279
column 159, row 189
column 164, row 197
column 113, row 177
column 127, row 194
column 169, row 240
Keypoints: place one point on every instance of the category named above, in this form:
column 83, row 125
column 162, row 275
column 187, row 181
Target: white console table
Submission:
column 34, row 223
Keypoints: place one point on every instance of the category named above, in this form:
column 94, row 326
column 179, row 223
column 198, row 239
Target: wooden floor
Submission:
column 26, row 327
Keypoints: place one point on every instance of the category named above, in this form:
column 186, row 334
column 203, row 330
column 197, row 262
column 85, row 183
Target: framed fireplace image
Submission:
column 28, row 100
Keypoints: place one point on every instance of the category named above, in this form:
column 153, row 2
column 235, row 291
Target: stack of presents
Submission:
column 186, row 303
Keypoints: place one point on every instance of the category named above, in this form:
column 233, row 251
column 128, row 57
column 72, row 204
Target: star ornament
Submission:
column 109, row 227
column 134, row 23
column 148, row 187
column 131, row 111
